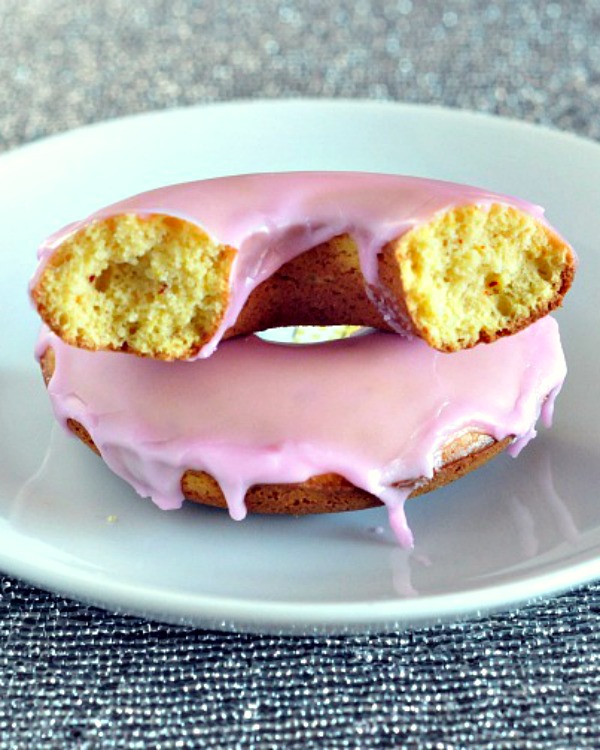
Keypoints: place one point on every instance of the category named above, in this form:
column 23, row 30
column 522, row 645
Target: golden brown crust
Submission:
column 323, row 286
column 325, row 493
column 331, row 493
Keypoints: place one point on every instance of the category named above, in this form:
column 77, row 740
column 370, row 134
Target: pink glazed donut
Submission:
column 340, row 425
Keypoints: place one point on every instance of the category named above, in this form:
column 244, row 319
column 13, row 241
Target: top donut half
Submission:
column 168, row 273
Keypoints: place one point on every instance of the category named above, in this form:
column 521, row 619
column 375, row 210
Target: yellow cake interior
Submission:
column 472, row 272
column 157, row 285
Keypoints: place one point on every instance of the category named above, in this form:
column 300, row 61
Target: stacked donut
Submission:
column 458, row 362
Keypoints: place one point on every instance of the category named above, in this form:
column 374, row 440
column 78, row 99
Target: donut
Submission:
column 171, row 272
column 280, row 428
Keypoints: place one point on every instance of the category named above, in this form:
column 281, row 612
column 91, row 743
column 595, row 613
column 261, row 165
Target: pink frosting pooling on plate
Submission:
column 375, row 408
column 272, row 218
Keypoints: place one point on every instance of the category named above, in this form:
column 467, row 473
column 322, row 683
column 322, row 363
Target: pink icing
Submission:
column 374, row 408
column 272, row 218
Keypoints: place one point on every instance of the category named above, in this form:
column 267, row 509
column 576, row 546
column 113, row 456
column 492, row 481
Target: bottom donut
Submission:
column 295, row 429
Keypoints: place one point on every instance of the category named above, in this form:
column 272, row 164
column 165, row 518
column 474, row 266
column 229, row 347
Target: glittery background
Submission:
column 63, row 63
column 73, row 676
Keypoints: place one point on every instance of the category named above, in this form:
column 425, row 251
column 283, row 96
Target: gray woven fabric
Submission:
column 74, row 676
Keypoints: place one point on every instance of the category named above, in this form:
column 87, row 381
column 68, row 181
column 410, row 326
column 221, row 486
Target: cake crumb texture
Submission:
column 154, row 285
column 474, row 274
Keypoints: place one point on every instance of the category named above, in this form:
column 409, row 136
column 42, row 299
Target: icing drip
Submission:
column 374, row 408
column 272, row 218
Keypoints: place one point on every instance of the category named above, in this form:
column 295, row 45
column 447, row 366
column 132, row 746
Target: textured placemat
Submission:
column 74, row 676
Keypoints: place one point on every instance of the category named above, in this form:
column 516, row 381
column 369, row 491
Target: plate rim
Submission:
column 298, row 618
column 318, row 102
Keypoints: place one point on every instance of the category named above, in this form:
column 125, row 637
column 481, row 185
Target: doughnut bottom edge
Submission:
column 329, row 493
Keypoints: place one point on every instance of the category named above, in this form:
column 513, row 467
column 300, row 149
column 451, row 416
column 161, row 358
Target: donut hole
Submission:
column 475, row 272
column 303, row 335
column 155, row 285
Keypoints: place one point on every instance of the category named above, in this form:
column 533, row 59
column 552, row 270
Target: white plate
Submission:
column 512, row 531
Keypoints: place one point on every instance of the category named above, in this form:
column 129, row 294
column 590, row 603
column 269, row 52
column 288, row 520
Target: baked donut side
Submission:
column 325, row 493
column 323, row 286
column 331, row 493
column 463, row 267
